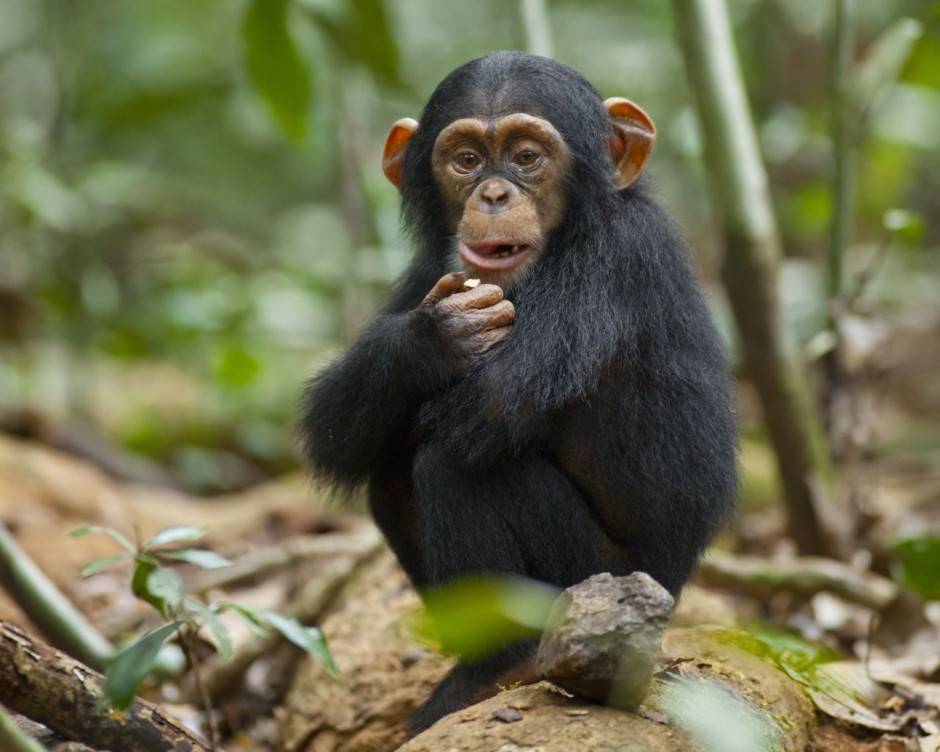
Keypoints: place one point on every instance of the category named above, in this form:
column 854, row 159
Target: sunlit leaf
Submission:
column 904, row 224
column 130, row 666
column 97, row 530
column 175, row 534
column 198, row 556
column 99, row 565
column 918, row 565
column 477, row 616
column 275, row 66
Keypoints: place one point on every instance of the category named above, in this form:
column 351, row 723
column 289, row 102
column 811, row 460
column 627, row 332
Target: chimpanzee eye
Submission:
column 466, row 162
column 527, row 159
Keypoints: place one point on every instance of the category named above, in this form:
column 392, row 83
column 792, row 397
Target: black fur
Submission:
column 599, row 436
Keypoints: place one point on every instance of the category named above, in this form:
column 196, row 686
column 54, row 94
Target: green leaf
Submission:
column 374, row 42
column 309, row 639
column 275, row 66
column 885, row 59
column 97, row 530
column 99, row 565
column 220, row 635
column 198, row 556
column 918, row 565
column 250, row 617
column 143, row 568
column 130, row 666
column 478, row 615
column 165, row 585
column 175, row 534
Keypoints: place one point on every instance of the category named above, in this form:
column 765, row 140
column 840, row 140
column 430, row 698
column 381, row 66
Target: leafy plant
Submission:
column 162, row 588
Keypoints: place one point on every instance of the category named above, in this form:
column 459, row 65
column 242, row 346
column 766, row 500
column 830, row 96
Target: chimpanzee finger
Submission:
column 445, row 286
column 482, row 296
column 496, row 316
column 492, row 337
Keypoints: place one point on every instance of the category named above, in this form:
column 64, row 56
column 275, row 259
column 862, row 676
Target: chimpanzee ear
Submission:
column 633, row 139
column 393, row 158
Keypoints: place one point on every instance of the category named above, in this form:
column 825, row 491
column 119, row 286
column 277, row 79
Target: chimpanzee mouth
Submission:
column 493, row 256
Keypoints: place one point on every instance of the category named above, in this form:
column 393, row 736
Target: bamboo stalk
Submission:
column 738, row 181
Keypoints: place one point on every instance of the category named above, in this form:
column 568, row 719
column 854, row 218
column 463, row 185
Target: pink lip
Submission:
column 480, row 256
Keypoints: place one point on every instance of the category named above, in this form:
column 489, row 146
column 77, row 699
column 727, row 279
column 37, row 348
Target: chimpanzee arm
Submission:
column 360, row 406
column 360, row 412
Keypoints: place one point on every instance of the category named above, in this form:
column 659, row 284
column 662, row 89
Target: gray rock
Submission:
column 603, row 638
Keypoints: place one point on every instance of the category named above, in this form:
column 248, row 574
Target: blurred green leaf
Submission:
column 360, row 32
column 374, row 43
column 237, row 367
column 198, row 556
column 478, row 615
column 175, row 534
column 717, row 718
column 309, row 639
column 99, row 565
column 905, row 224
column 165, row 586
column 130, row 666
column 96, row 530
column 253, row 621
column 918, row 565
column 206, row 615
column 144, row 567
column 885, row 59
column 276, row 68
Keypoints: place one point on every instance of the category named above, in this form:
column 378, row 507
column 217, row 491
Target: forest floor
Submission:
column 832, row 663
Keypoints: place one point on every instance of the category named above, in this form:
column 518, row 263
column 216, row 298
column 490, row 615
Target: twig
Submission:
column 804, row 576
column 46, row 685
column 187, row 638
column 842, row 146
column 270, row 560
column 63, row 624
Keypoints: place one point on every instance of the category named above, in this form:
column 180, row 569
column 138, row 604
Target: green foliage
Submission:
column 476, row 616
column 275, row 65
column 918, row 565
column 133, row 664
column 177, row 183
column 164, row 590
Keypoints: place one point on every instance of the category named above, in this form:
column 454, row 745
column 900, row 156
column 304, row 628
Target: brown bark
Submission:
column 46, row 685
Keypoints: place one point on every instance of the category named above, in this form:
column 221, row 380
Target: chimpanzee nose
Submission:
column 495, row 193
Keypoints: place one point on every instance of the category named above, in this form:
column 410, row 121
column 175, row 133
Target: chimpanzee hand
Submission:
column 473, row 320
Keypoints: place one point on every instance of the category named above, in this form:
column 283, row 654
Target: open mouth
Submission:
column 493, row 256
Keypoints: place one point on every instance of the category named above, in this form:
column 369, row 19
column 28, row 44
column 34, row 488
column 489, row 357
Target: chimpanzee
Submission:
column 569, row 415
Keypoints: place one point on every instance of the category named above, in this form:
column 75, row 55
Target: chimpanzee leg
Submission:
column 391, row 500
column 524, row 518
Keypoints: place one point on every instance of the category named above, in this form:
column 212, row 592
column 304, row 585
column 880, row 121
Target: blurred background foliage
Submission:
column 192, row 213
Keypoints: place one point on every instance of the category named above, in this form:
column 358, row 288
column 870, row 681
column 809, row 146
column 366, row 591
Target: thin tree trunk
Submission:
column 739, row 184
